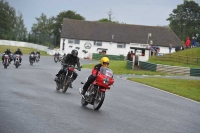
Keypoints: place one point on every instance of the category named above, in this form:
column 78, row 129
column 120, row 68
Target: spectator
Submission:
column 132, row 55
column 193, row 42
column 129, row 56
column 187, row 43
column 170, row 48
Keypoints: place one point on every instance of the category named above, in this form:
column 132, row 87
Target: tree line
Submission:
column 184, row 21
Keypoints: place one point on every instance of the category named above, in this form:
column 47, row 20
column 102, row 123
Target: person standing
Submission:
column 187, row 43
column 170, row 48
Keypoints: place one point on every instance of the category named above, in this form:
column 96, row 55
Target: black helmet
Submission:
column 74, row 52
column 18, row 49
column 8, row 49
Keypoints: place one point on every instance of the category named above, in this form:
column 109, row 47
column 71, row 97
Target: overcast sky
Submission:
column 139, row 12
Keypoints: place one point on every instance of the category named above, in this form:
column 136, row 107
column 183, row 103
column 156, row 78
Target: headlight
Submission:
column 106, row 81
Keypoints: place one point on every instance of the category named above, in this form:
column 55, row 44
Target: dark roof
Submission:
column 123, row 33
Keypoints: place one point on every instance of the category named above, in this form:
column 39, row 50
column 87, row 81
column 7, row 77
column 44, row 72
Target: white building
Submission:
column 113, row 39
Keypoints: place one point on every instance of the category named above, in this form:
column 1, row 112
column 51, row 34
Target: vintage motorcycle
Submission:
column 17, row 62
column 60, row 58
column 65, row 79
column 37, row 58
column 56, row 59
column 6, row 61
column 95, row 94
column 32, row 59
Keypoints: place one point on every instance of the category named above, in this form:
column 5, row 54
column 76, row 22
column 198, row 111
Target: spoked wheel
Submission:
column 83, row 102
column 65, row 86
column 57, row 87
column 99, row 100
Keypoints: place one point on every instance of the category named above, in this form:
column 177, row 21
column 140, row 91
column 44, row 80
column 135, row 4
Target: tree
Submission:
column 185, row 20
column 7, row 20
column 59, row 20
column 106, row 20
column 20, row 29
column 42, row 31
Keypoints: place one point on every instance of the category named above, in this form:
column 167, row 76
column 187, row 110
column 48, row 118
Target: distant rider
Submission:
column 103, row 62
column 70, row 59
column 19, row 53
column 7, row 52
column 33, row 56
column 38, row 52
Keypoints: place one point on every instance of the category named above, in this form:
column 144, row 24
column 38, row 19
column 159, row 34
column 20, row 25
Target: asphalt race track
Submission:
column 29, row 103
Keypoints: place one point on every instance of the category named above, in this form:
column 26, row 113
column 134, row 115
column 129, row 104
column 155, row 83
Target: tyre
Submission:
column 66, row 85
column 83, row 102
column 17, row 64
column 57, row 87
column 99, row 100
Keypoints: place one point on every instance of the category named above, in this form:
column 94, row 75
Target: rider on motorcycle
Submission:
column 19, row 52
column 69, row 59
column 33, row 56
column 38, row 52
column 8, row 52
column 103, row 62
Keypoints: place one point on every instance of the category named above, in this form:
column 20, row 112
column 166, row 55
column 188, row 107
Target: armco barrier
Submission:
column 194, row 72
column 29, row 45
column 129, row 64
column 147, row 66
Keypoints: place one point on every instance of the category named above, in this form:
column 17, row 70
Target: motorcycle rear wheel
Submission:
column 99, row 100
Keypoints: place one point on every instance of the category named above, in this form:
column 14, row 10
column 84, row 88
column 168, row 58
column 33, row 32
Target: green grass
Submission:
column 191, row 53
column 119, row 67
column 186, row 88
column 24, row 50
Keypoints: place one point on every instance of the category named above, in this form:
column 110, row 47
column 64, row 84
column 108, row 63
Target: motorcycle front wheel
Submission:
column 17, row 64
column 66, row 85
column 98, row 101
column 83, row 102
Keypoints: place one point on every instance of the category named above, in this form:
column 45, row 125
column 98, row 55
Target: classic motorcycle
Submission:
column 32, row 60
column 95, row 94
column 6, row 61
column 60, row 58
column 56, row 58
column 17, row 62
column 65, row 79
column 37, row 58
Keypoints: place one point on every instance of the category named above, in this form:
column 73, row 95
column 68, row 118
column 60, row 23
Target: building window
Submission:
column 121, row 45
column 97, row 43
column 74, row 41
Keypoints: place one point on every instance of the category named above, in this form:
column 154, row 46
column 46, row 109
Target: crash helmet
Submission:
column 104, row 61
column 74, row 53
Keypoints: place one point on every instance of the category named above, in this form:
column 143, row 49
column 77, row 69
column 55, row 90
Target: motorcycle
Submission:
column 17, row 62
column 60, row 58
column 37, row 58
column 6, row 61
column 95, row 94
column 65, row 79
column 56, row 58
column 32, row 59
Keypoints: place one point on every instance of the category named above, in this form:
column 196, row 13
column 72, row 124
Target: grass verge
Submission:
column 119, row 67
column 24, row 50
column 186, row 88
